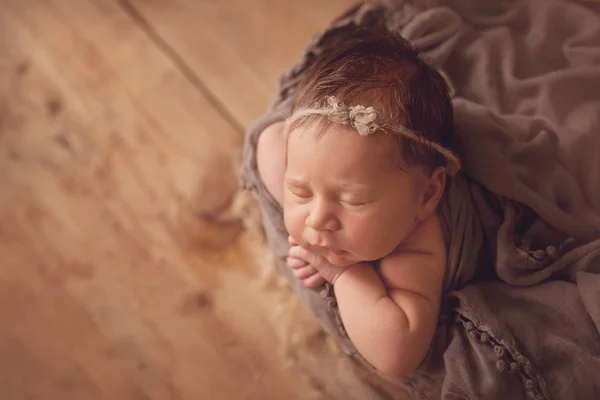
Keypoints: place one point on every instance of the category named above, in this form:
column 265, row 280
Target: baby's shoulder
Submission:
column 418, row 262
column 426, row 238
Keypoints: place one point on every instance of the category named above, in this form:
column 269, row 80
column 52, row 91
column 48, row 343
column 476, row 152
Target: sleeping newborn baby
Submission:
column 359, row 168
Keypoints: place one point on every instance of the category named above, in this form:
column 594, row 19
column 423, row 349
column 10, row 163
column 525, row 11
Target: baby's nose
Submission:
column 328, row 224
column 321, row 219
column 319, row 238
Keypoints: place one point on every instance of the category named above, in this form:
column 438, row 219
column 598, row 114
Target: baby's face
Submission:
column 343, row 198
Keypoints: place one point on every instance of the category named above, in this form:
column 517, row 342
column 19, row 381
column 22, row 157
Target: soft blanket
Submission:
column 521, row 312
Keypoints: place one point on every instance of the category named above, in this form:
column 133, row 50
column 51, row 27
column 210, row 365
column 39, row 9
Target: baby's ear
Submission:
column 433, row 189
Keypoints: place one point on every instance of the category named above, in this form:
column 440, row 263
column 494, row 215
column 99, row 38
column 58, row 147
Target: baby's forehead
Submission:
column 363, row 155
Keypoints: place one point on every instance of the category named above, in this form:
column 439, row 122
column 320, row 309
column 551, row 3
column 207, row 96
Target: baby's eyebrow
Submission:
column 349, row 185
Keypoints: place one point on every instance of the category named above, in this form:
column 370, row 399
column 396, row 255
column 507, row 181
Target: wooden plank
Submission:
column 239, row 48
column 107, row 155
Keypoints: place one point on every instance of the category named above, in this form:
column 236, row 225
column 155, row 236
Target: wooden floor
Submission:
column 121, row 123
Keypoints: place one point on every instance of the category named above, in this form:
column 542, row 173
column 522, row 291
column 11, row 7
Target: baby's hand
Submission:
column 312, row 269
column 301, row 269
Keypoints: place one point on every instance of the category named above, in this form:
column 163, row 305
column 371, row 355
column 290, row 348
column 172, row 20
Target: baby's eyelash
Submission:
column 300, row 194
column 355, row 204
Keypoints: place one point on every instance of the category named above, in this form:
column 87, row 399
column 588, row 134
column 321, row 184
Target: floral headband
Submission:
column 364, row 120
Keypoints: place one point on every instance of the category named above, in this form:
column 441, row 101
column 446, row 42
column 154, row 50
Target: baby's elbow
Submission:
column 271, row 159
column 398, row 366
column 401, row 357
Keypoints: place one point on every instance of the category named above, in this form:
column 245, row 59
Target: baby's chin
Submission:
column 341, row 261
column 348, row 258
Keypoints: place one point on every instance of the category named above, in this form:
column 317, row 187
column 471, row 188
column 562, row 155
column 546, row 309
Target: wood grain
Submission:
column 239, row 48
column 108, row 155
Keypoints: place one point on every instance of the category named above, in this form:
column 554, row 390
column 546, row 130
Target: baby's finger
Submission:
column 304, row 272
column 299, row 252
column 303, row 254
column 314, row 281
column 295, row 263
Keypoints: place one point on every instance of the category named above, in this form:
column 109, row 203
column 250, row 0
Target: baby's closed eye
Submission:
column 298, row 189
column 300, row 193
column 354, row 204
column 355, row 201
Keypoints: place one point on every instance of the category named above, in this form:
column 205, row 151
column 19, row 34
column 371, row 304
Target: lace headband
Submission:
column 364, row 120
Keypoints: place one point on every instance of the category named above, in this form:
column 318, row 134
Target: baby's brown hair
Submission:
column 380, row 69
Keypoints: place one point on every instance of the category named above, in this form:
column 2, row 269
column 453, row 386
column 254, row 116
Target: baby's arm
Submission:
column 391, row 313
column 271, row 159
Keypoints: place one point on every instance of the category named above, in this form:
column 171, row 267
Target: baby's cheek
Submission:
column 293, row 222
column 376, row 237
column 365, row 238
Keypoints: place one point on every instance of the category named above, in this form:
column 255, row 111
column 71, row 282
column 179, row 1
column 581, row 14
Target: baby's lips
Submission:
column 338, row 252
